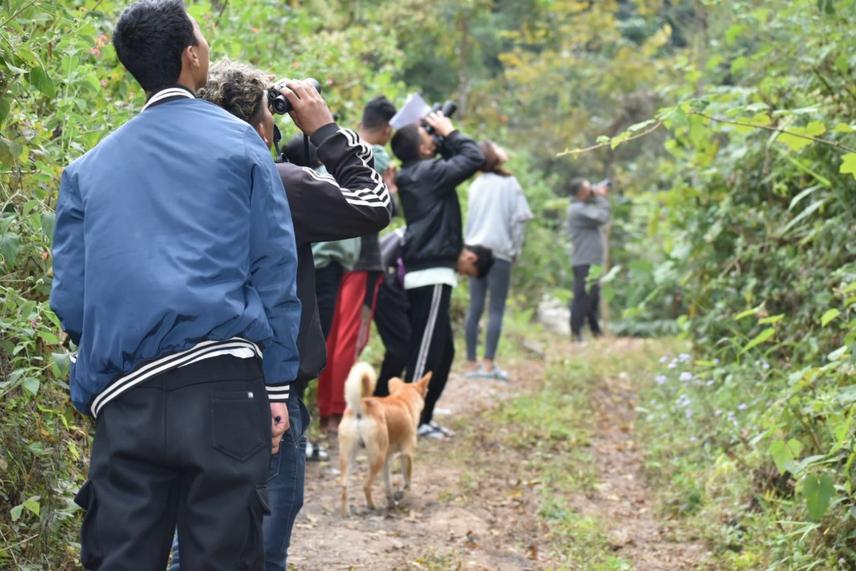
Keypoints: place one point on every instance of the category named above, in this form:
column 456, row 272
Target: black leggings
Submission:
column 496, row 283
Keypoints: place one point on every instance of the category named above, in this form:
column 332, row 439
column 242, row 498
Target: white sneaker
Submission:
column 428, row 431
column 497, row 374
column 316, row 452
column 442, row 429
column 476, row 373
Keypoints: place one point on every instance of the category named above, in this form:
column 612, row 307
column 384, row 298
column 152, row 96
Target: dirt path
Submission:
column 621, row 496
column 468, row 510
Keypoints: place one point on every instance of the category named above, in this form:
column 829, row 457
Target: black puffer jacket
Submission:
column 427, row 189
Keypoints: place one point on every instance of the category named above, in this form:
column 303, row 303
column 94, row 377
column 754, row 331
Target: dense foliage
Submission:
column 728, row 128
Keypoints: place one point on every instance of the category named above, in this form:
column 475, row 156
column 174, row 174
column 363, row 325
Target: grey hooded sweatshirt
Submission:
column 497, row 212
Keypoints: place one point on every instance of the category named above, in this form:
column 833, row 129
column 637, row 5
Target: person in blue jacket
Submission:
column 174, row 274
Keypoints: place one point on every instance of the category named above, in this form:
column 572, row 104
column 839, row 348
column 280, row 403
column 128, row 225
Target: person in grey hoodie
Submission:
column 587, row 216
column 496, row 216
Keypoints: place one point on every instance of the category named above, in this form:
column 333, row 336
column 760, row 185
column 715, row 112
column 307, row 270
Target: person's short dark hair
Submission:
column 377, row 113
column 576, row 185
column 491, row 159
column 405, row 143
column 238, row 88
column 150, row 37
column 295, row 153
column 485, row 259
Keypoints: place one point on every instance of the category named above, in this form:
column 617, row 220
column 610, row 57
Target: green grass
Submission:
column 551, row 425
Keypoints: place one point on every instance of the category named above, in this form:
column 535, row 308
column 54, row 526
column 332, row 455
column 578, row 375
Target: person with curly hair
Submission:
column 350, row 201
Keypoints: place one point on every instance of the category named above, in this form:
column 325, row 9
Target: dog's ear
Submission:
column 423, row 382
column 394, row 384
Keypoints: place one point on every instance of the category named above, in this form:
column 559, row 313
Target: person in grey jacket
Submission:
column 496, row 216
column 588, row 213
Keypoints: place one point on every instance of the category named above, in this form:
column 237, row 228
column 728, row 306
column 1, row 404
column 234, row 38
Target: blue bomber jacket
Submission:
column 174, row 242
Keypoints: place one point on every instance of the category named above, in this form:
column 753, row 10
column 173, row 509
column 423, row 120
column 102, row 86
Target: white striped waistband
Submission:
column 205, row 350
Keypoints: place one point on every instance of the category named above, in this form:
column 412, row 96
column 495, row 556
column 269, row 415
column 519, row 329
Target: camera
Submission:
column 448, row 109
column 279, row 103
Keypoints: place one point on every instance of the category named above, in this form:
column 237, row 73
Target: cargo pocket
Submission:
column 90, row 549
column 254, row 552
column 237, row 419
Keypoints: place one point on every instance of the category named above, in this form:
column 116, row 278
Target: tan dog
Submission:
column 381, row 425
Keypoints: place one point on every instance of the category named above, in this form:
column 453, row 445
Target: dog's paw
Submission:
column 399, row 495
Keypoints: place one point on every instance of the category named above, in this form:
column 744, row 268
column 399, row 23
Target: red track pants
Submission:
column 348, row 336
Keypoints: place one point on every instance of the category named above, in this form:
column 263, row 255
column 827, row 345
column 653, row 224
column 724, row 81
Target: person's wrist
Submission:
column 278, row 393
column 323, row 133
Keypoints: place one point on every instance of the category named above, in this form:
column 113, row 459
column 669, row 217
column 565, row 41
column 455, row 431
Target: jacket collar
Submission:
column 169, row 94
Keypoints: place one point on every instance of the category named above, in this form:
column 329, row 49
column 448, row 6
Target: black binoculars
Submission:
column 448, row 109
column 279, row 103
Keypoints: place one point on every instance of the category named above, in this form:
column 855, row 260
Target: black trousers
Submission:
column 190, row 448
column 393, row 325
column 432, row 346
column 327, row 281
column 584, row 306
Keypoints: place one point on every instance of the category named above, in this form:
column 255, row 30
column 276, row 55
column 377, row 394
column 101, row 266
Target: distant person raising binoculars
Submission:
column 588, row 213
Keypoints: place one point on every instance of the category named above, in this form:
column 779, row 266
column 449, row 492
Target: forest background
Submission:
column 728, row 128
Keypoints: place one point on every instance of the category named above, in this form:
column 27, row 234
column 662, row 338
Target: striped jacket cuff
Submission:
column 278, row 393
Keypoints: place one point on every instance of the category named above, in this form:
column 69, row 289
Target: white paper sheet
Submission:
column 414, row 109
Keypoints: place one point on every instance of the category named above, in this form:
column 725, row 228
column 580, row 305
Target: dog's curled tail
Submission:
column 360, row 384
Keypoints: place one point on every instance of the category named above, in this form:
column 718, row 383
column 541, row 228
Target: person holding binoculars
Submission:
column 351, row 201
column 588, row 214
column 432, row 243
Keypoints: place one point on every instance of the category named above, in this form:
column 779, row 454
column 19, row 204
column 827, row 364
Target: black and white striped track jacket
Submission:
column 349, row 202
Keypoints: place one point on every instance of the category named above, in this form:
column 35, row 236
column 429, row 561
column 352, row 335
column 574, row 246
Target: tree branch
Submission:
column 220, row 13
column 594, row 147
column 15, row 15
column 835, row 144
column 659, row 124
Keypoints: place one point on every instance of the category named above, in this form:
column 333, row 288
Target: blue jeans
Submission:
column 284, row 488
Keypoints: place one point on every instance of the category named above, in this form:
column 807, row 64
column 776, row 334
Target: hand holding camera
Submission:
column 301, row 100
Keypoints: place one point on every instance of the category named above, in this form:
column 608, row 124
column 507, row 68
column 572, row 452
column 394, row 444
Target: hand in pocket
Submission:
column 278, row 424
